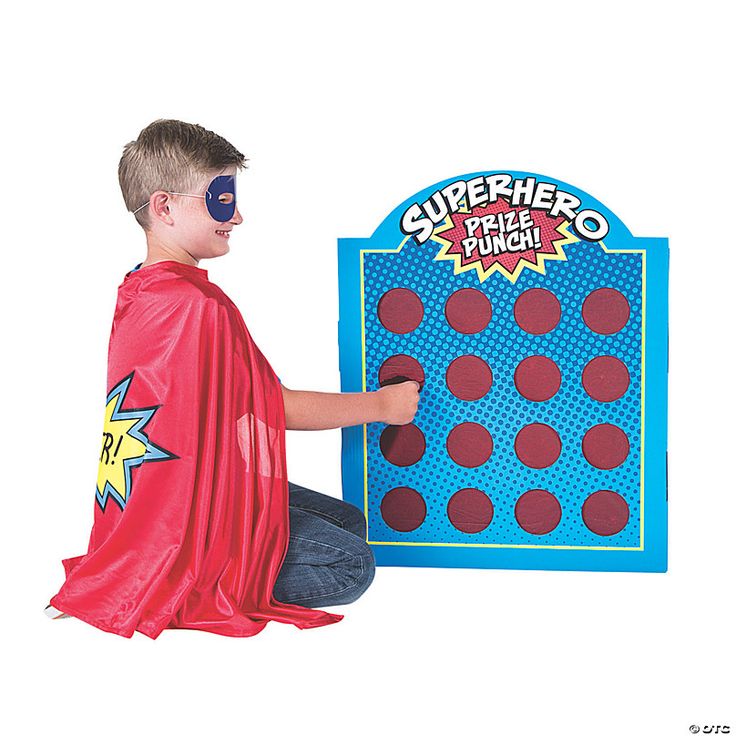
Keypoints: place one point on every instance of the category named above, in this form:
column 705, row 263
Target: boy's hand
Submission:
column 398, row 402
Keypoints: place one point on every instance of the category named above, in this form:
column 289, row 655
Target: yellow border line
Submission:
column 510, row 546
column 365, row 426
column 504, row 546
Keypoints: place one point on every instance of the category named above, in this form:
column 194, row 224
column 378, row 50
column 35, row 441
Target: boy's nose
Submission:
column 237, row 218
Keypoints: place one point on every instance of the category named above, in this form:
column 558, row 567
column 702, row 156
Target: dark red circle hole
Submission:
column 400, row 310
column 468, row 311
column 469, row 444
column 538, row 511
column 537, row 445
column 537, row 311
column 537, row 378
column 605, row 446
column 606, row 311
column 400, row 368
column 402, row 444
column 470, row 510
column 403, row 509
column 469, row 377
column 605, row 378
column 605, row 513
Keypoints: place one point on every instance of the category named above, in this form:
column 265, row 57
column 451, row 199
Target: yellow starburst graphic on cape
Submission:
column 124, row 446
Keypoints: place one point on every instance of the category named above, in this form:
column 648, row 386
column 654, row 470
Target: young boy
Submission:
column 196, row 525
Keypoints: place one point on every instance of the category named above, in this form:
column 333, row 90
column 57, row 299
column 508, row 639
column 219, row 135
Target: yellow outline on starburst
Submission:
column 483, row 274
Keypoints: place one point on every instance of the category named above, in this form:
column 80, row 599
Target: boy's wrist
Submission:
column 377, row 409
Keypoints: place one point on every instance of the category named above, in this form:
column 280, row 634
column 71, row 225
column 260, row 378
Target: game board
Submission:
column 536, row 325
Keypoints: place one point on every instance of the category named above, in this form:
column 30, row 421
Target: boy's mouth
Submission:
column 223, row 233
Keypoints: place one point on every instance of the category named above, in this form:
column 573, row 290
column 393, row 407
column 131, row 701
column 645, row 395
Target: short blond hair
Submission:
column 170, row 155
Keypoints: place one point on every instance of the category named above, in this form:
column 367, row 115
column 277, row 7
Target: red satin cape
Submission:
column 191, row 514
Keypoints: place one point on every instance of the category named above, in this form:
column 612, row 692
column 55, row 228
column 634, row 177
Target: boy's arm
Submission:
column 394, row 404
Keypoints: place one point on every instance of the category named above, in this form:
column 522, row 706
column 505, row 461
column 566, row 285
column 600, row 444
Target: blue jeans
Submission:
column 328, row 562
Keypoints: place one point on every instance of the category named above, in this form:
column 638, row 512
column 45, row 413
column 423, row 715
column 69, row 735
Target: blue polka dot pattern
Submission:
column 503, row 411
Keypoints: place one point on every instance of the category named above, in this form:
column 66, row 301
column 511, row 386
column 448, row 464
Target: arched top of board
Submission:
column 500, row 222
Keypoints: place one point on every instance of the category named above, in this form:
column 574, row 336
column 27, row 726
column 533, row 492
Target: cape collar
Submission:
column 176, row 266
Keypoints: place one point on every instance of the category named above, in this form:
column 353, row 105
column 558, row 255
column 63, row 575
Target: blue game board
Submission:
column 537, row 327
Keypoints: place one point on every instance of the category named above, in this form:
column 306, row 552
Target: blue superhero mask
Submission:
column 219, row 198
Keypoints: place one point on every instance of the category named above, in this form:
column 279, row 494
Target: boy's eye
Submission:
column 226, row 198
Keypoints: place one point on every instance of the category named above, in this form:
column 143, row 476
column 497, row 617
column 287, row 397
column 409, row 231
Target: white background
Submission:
column 345, row 110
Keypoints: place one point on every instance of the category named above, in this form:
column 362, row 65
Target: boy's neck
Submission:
column 158, row 251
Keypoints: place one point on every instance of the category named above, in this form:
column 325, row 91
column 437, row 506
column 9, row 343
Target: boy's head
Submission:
column 174, row 178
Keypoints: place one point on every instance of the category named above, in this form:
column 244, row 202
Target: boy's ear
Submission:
column 159, row 207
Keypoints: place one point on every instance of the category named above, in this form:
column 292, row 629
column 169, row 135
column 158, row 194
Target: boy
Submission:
column 196, row 525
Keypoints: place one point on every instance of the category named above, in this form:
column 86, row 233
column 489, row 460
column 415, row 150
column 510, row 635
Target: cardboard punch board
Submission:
column 536, row 326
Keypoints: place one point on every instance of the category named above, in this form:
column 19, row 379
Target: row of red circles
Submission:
column 537, row 445
column 537, row 511
column 605, row 378
column 537, row 311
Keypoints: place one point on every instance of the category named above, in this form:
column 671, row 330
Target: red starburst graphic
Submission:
column 502, row 236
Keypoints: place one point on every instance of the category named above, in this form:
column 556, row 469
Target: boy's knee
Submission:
column 354, row 520
column 364, row 573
